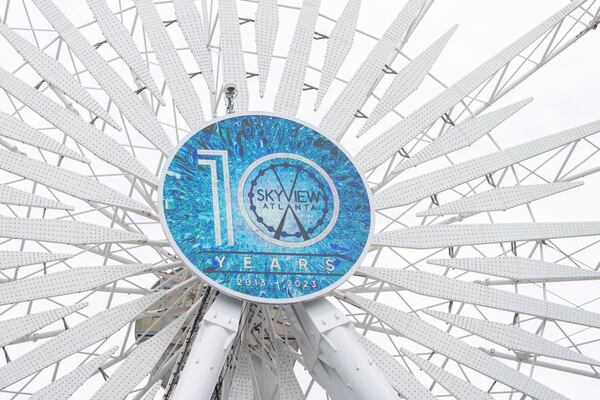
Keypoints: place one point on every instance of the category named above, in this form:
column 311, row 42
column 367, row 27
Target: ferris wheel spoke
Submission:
column 232, row 55
column 140, row 361
column 512, row 337
column 408, row 191
column 403, row 381
column 291, row 85
column 119, row 39
column 338, row 46
column 289, row 388
column 67, row 232
column 462, row 135
column 419, row 331
column 500, row 199
column 437, row 286
column 66, row 282
column 383, row 147
column 341, row 114
column 71, row 183
column 407, row 81
column 267, row 25
column 242, row 385
column 184, row 95
column 15, row 259
column 140, row 116
column 11, row 196
column 455, row 386
column 191, row 25
column 55, row 74
column 518, row 269
column 63, row 388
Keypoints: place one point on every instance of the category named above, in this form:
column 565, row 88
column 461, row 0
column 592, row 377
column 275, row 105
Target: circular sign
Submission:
column 265, row 208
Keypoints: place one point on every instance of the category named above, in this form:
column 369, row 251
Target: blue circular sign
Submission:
column 265, row 208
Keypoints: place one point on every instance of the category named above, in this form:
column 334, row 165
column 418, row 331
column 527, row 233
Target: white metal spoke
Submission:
column 267, row 24
column 18, row 197
column 14, row 259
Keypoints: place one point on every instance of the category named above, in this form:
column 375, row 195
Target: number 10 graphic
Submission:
column 212, row 157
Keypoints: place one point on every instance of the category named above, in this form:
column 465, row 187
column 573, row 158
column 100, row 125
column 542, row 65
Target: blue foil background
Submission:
column 188, row 209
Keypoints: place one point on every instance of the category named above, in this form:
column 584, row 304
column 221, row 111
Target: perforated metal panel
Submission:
column 179, row 83
column 140, row 116
column 518, row 268
column 13, row 259
column 341, row 114
column 512, row 337
column 338, row 46
column 118, row 37
column 139, row 363
column 66, row 181
column 62, row 231
column 383, row 147
column 16, row 328
column 429, row 336
column 54, row 73
column 471, row 293
column 289, row 388
column 414, row 189
column 66, row 282
column 232, row 56
column 455, row 386
column 151, row 394
column 436, row 236
column 500, row 199
column 462, row 135
column 401, row 380
column 407, row 81
column 63, row 388
column 78, row 337
column 266, row 26
column 9, row 195
column 191, row 25
column 291, row 85
column 242, row 386
column 83, row 133
column 16, row 129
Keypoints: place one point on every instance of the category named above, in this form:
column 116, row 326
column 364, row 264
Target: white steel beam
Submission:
column 63, row 388
column 55, row 74
column 338, row 46
column 512, row 337
column 341, row 114
column 403, row 381
column 407, row 81
column 419, row 331
column 209, row 351
column 500, row 199
column 64, row 231
column 80, row 336
column 266, row 27
column 66, row 282
column 17, row 328
column 472, row 293
column 418, row 188
column 336, row 343
column 119, row 39
column 140, row 116
column 463, row 134
column 14, row 259
column 383, row 147
column 139, row 362
column 16, row 197
column 455, row 386
column 180, row 85
column 289, row 388
column 191, row 25
column 439, row 236
column 242, row 383
column 291, row 86
column 232, row 55
column 71, row 183
column 518, row 269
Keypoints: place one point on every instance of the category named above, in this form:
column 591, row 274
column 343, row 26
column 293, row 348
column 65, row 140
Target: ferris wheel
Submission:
column 222, row 199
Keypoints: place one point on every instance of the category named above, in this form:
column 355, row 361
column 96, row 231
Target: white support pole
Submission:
column 209, row 350
column 329, row 341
